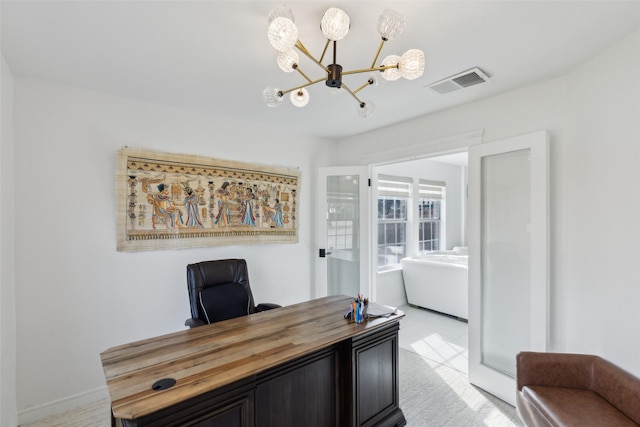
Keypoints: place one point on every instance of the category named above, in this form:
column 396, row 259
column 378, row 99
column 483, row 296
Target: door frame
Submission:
column 423, row 150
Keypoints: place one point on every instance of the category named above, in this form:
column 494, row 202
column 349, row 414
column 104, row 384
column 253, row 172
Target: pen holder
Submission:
column 363, row 313
column 360, row 314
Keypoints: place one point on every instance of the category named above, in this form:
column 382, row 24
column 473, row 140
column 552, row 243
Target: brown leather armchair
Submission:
column 219, row 290
column 560, row 389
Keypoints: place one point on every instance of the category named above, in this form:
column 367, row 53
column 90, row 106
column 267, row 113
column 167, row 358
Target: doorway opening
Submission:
column 451, row 171
column 429, row 227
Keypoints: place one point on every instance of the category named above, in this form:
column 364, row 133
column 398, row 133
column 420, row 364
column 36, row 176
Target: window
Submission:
column 342, row 219
column 430, row 203
column 393, row 201
column 340, row 224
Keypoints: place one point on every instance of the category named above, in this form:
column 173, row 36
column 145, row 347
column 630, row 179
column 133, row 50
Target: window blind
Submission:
column 434, row 190
column 394, row 186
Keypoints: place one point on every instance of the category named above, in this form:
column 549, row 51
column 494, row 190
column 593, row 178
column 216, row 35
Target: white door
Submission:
column 342, row 258
column 508, row 258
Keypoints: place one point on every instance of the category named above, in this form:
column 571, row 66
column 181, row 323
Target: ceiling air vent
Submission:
column 462, row 80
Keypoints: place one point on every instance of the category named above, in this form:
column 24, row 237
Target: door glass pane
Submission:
column 343, row 240
column 505, row 247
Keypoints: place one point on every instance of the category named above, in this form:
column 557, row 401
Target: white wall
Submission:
column 8, row 405
column 597, row 279
column 77, row 296
column 593, row 115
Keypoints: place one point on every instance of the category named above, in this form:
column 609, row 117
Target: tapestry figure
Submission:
column 248, row 218
column 191, row 206
column 277, row 218
column 163, row 207
column 224, row 213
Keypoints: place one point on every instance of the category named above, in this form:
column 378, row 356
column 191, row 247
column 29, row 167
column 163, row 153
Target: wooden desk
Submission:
column 301, row 365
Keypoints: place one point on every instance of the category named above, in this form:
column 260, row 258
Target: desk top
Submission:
column 212, row 356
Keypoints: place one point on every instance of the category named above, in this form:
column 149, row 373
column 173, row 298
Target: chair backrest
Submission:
column 219, row 290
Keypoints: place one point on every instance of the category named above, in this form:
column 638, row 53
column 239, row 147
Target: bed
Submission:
column 438, row 281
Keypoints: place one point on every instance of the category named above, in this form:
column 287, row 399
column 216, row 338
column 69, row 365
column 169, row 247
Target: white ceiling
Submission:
column 214, row 56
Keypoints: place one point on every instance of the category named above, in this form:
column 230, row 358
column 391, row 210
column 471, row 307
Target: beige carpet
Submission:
column 92, row 415
column 431, row 394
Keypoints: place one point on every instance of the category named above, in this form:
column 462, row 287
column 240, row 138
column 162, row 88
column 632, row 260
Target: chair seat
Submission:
column 566, row 406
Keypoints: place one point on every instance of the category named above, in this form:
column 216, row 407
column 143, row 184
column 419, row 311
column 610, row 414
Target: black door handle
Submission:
column 323, row 253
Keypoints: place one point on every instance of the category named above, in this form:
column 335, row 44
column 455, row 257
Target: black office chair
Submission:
column 219, row 290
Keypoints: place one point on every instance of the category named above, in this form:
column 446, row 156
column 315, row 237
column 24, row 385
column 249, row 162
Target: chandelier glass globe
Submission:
column 335, row 24
column 271, row 96
column 300, row 97
column 411, row 65
column 390, row 24
column 282, row 34
column 366, row 109
column 391, row 74
column 287, row 60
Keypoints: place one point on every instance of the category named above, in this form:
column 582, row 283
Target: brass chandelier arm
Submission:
column 345, row 87
column 304, row 50
column 373, row 64
column 301, row 47
column 297, row 68
column 324, row 51
column 366, row 70
column 311, row 82
column 368, row 83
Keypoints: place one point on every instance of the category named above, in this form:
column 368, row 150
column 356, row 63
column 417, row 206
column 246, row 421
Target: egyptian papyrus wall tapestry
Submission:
column 169, row 201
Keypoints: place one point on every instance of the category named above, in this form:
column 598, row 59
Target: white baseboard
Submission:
column 36, row 413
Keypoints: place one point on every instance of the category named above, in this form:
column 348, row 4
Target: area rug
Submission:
column 432, row 394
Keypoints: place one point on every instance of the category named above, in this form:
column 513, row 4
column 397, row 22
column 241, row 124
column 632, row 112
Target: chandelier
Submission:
column 283, row 35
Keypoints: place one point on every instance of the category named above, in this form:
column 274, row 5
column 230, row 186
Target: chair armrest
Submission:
column 266, row 306
column 555, row 369
column 192, row 323
column 618, row 387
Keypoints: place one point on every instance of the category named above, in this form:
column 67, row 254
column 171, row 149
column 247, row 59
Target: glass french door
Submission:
column 342, row 266
column 508, row 258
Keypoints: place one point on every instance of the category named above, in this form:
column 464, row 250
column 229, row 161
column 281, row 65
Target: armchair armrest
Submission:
column 192, row 323
column 266, row 306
